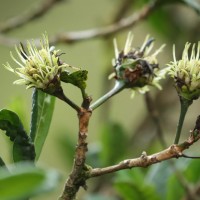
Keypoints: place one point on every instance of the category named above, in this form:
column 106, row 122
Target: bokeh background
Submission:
column 173, row 23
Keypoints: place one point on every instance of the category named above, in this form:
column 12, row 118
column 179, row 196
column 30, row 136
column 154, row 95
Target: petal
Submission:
column 8, row 67
column 128, row 43
column 16, row 60
column 20, row 82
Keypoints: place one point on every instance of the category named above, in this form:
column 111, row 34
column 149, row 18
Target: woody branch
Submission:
column 174, row 151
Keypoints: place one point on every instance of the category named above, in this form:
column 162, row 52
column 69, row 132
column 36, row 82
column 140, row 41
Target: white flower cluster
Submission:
column 186, row 72
column 37, row 68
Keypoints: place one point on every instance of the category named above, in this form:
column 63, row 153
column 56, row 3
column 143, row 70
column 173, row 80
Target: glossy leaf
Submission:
column 114, row 143
column 23, row 149
column 10, row 122
column 25, row 181
column 77, row 78
column 42, row 112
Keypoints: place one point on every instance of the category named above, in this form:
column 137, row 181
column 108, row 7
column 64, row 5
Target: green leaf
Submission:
column 192, row 172
column 23, row 149
column 174, row 189
column 42, row 112
column 25, row 180
column 160, row 182
column 114, row 143
column 2, row 163
column 131, row 185
column 167, row 170
column 77, row 78
column 10, row 122
column 99, row 197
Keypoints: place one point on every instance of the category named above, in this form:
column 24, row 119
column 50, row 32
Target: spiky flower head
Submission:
column 137, row 67
column 39, row 68
column 186, row 72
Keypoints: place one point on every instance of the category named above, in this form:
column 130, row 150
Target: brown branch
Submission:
column 78, row 175
column 75, row 36
column 174, row 151
column 27, row 16
column 155, row 117
column 122, row 24
column 124, row 7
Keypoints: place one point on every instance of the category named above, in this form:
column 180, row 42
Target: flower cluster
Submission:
column 137, row 67
column 186, row 72
column 39, row 68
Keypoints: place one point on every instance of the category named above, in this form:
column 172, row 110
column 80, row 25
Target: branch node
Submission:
column 144, row 156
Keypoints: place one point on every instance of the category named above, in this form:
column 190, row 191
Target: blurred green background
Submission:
column 173, row 23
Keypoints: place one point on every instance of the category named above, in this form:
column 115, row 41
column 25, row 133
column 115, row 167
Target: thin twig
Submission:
column 174, row 151
column 75, row 36
column 27, row 16
column 124, row 23
column 60, row 94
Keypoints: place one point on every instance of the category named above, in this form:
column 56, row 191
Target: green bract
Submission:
column 39, row 68
column 137, row 67
column 186, row 72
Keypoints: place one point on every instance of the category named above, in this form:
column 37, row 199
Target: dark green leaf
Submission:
column 25, row 181
column 10, row 122
column 23, row 148
column 2, row 163
column 77, row 78
column 114, row 143
column 42, row 112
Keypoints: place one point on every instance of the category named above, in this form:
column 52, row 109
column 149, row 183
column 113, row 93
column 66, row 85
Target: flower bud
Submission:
column 186, row 72
column 39, row 68
column 136, row 66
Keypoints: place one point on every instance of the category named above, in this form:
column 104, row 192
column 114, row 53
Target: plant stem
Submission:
column 79, row 173
column 185, row 103
column 119, row 86
column 60, row 94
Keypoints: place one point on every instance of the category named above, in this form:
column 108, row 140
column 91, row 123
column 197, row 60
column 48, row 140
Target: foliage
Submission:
column 134, row 68
column 24, row 180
